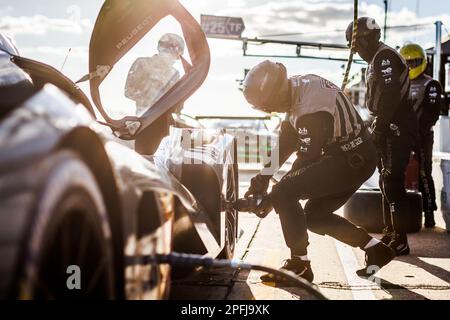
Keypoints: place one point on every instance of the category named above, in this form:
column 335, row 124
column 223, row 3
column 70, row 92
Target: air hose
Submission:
column 352, row 47
column 191, row 260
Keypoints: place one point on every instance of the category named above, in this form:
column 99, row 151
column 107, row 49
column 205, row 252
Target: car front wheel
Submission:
column 68, row 254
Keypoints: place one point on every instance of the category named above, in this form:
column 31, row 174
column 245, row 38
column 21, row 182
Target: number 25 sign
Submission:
column 222, row 27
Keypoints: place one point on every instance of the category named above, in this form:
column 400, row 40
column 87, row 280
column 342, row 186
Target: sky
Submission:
column 45, row 30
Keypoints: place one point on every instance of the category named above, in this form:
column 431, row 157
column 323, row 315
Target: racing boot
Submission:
column 376, row 257
column 300, row 267
column 387, row 236
column 429, row 219
column 400, row 245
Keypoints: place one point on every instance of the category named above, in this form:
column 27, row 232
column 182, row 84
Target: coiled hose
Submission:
column 352, row 47
column 191, row 260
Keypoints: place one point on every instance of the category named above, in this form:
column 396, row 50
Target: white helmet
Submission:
column 263, row 85
column 171, row 43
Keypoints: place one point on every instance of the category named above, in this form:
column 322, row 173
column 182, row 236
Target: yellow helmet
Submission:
column 416, row 58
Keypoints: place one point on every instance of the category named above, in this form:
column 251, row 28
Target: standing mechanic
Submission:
column 148, row 80
column 394, row 128
column 334, row 157
column 426, row 98
column 151, row 77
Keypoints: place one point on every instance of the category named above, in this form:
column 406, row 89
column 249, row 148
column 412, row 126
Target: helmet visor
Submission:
column 414, row 63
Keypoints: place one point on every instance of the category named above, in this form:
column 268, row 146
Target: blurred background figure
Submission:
column 425, row 94
column 150, row 77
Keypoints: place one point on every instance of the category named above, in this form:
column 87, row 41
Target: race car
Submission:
column 79, row 209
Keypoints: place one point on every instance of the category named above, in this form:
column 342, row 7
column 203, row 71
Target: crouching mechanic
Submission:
column 335, row 156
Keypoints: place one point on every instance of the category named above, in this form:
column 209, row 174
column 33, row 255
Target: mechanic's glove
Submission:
column 424, row 131
column 378, row 133
column 378, row 138
column 264, row 208
column 258, row 185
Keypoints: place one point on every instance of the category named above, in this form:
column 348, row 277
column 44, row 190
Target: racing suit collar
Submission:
column 369, row 53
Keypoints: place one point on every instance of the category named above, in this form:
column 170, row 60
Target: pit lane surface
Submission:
column 424, row 274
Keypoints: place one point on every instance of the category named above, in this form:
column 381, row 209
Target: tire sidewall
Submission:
column 230, row 246
column 68, row 177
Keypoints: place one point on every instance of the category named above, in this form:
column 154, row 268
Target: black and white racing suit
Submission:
column 335, row 156
column 395, row 130
column 426, row 99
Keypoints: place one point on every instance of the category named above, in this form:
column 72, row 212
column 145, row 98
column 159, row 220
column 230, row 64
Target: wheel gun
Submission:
column 260, row 205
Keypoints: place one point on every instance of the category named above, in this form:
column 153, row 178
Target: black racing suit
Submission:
column 323, row 174
column 426, row 98
column 395, row 130
column 147, row 142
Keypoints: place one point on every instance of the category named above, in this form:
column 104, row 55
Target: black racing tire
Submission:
column 69, row 228
column 231, row 215
column 364, row 209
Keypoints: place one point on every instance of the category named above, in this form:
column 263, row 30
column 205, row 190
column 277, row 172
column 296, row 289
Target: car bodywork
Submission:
column 114, row 36
column 189, row 216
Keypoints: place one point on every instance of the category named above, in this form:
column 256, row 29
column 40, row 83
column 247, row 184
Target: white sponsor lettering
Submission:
column 303, row 131
column 433, row 95
column 306, row 141
column 352, row 144
column 387, row 71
